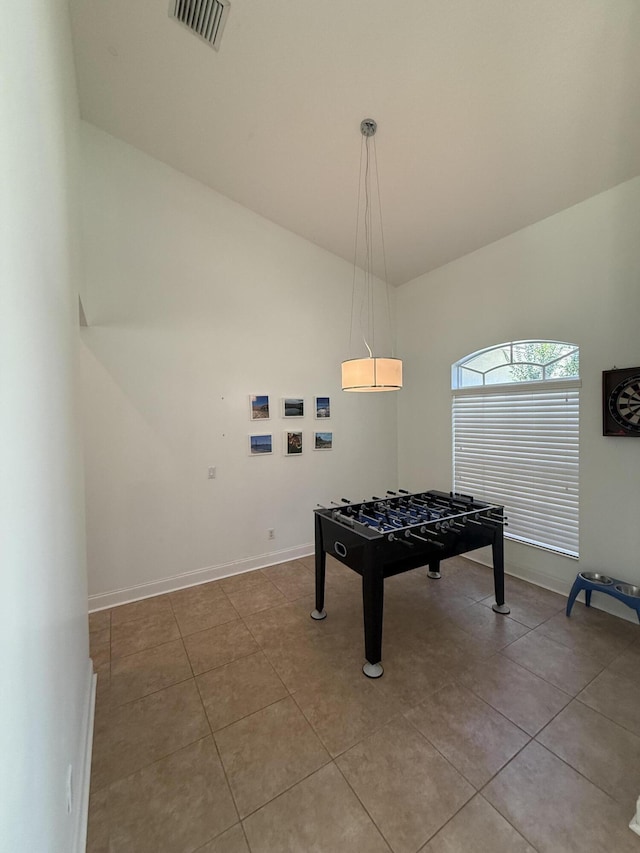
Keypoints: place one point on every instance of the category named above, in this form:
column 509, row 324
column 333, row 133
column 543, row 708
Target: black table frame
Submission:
column 374, row 558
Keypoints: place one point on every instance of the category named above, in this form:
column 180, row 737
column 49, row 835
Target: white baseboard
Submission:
column 104, row 600
column 84, row 763
column 563, row 587
column 635, row 820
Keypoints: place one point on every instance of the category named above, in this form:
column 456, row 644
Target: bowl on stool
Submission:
column 590, row 582
column 596, row 577
column 628, row 589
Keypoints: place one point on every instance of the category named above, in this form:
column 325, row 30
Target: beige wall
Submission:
column 44, row 655
column 194, row 303
column 573, row 277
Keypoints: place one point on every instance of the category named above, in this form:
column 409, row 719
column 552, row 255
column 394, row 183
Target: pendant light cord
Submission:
column 368, row 242
column 366, row 311
column 374, row 372
column 355, row 252
column 384, row 253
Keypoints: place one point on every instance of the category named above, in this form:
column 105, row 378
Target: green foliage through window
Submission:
column 518, row 361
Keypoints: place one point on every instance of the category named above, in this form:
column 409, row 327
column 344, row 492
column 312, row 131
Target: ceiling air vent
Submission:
column 206, row 18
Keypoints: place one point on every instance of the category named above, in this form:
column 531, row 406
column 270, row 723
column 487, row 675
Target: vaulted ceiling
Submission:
column 492, row 114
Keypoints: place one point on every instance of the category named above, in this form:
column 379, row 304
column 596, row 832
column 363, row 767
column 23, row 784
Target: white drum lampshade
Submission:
column 372, row 374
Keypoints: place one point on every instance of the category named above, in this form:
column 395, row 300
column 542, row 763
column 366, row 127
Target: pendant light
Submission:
column 372, row 372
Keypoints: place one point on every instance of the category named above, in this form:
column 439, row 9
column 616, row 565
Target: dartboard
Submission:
column 624, row 403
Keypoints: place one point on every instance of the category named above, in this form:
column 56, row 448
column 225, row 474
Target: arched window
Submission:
column 515, row 437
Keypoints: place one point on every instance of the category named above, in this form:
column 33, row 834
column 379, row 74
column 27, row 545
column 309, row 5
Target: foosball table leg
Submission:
column 321, row 561
column 497, row 549
column 373, row 603
column 434, row 569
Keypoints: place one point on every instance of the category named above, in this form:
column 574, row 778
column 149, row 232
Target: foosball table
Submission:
column 382, row 537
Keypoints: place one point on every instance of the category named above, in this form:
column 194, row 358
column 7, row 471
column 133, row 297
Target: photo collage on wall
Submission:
column 294, row 439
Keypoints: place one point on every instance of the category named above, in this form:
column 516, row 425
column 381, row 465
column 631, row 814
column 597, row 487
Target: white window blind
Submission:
column 518, row 446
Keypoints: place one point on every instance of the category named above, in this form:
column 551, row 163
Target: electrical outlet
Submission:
column 212, row 472
column 271, row 534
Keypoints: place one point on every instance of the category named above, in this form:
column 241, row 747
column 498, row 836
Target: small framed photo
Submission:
column 292, row 443
column 323, row 407
column 292, row 407
column 259, row 407
column 323, row 441
column 260, row 445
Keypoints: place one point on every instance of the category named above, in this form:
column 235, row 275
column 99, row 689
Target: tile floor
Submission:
column 228, row 721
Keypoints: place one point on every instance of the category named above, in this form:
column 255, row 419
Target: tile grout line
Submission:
column 534, row 738
column 551, row 640
column 477, row 791
column 567, row 764
column 575, row 769
column 521, row 666
column 625, row 648
column 288, row 788
column 290, row 695
column 150, row 764
column 184, row 648
column 606, row 716
column 224, row 663
column 530, row 737
column 366, row 810
column 537, row 675
column 151, row 693
column 112, row 708
column 497, row 711
column 223, row 768
column 373, row 730
column 400, row 715
column 146, row 649
column 189, row 634
column 110, row 650
column 214, row 732
column 488, row 782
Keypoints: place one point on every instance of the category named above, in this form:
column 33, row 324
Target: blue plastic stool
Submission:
column 590, row 581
